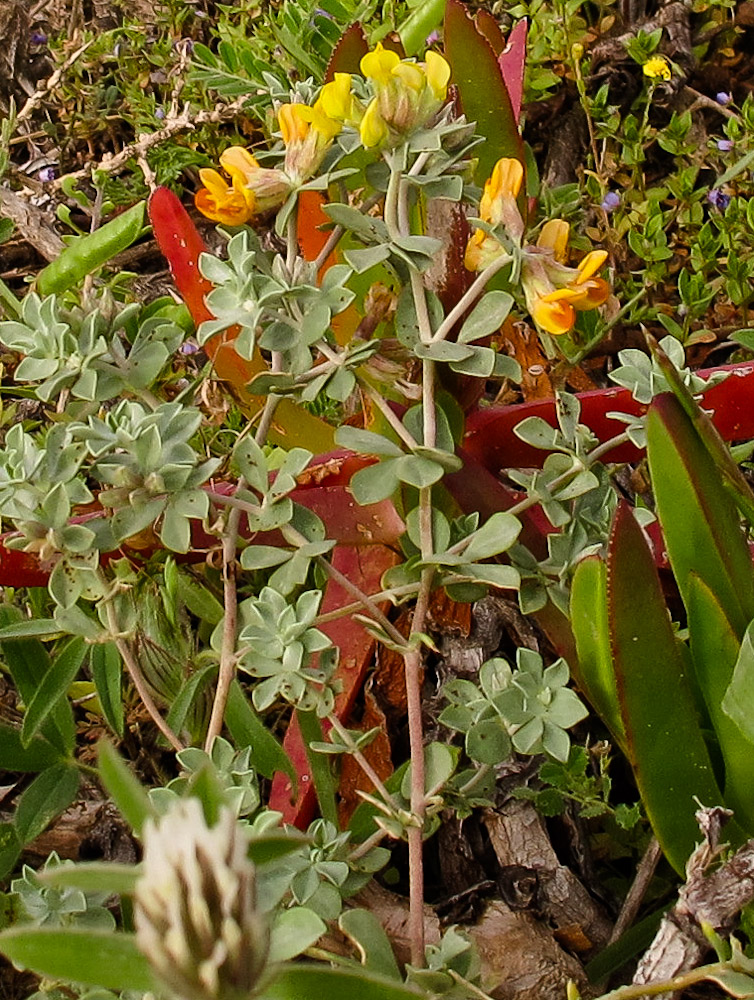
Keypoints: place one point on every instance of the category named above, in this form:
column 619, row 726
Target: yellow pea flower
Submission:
column 336, row 99
column 373, row 129
column 223, row 202
column 497, row 206
column 554, row 236
column 438, row 74
column 308, row 133
column 379, row 64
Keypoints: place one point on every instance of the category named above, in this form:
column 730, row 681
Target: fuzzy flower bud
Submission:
column 195, row 913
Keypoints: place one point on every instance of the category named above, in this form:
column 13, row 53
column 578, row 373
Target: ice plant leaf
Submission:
column 664, row 739
column 317, row 982
column 593, row 672
column 349, row 50
column 723, row 672
column 512, row 63
column 734, row 480
column 484, row 95
column 699, row 519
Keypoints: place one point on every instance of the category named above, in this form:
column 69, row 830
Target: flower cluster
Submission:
column 195, row 906
column 406, row 95
column 552, row 290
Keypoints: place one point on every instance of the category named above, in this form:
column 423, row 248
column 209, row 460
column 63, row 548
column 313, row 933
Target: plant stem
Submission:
column 366, row 846
column 361, row 760
column 227, row 669
column 392, row 418
column 470, row 296
column 12, row 304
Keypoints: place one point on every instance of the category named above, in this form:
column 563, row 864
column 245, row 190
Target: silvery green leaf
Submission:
column 487, row 316
column 214, row 269
column 481, row 363
column 340, row 386
column 538, row 433
column 555, row 741
column 375, row 482
column 130, row 521
column 443, row 350
column 363, row 260
column 487, row 742
column 503, row 577
column 65, row 584
column 366, row 442
column 566, row 708
column 417, row 471
column 263, row 556
column 496, row 535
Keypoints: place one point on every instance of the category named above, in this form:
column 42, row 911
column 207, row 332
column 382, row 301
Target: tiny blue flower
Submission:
column 611, row 201
column 719, row 199
column 723, row 98
column 725, row 145
column 38, row 38
column 159, row 113
column 432, row 38
column 189, row 347
column 46, row 174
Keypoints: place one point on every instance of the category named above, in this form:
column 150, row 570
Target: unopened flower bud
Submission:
column 195, row 913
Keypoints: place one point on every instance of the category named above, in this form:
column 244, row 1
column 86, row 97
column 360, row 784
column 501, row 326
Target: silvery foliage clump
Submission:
column 529, row 709
column 87, row 355
column 277, row 641
column 53, row 906
column 195, row 906
column 231, row 768
column 642, row 375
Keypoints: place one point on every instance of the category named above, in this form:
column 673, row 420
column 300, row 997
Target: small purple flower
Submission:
column 38, row 38
column 159, row 113
column 719, row 199
column 46, row 174
column 432, row 38
column 723, row 98
column 611, row 201
column 189, row 347
column 725, row 145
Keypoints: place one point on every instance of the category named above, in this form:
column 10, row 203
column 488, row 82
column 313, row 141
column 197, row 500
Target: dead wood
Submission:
column 520, row 958
column 715, row 899
column 32, row 223
column 520, row 841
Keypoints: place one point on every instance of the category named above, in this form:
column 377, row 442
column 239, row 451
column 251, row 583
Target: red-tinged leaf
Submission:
column 512, row 63
column 311, row 238
column 664, row 738
column 363, row 566
column 699, row 518
column 487, row 25
column 348, row 52
column 181, row 245
column 483, row 93
column 490, row 439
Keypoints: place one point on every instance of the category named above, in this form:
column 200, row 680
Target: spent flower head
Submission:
column 196, row 913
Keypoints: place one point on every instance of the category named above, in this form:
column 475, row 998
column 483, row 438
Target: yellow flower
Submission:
column 379, row 64
column 373, row 130
column 554, row 236
column 438, row 75
column 497, row 207
column 220, row 201
column 308, row 133
column 407, row 94
column 553, row 309
column 253, row 189
column 336, row 100
column 657, row 68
